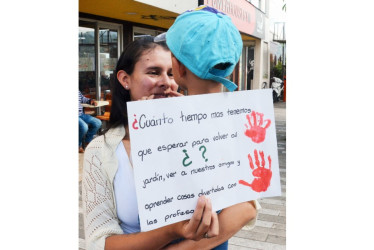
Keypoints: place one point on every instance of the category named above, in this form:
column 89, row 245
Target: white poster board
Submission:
column 220, row 145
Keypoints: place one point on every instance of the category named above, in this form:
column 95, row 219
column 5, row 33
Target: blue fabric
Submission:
column 82, row 99
column 88, row 127
column 203, row 38
column 223, row 246
column 206, row 8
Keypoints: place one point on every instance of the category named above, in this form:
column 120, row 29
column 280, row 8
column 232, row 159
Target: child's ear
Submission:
column 181, row 69
column 124, row 79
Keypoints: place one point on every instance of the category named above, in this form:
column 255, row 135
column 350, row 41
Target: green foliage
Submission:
column 277, row 70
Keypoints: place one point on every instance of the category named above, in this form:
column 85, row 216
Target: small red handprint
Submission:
column 262, row 175
column 256, row 132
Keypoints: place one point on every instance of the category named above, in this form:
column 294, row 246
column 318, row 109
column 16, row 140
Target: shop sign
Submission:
column 176, row 6
column 245, row 16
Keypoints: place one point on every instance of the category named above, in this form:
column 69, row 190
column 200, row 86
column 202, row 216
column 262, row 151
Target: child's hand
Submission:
column 203, row 224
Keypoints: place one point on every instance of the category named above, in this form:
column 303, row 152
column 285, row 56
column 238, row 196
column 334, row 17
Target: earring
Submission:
column 127, row 87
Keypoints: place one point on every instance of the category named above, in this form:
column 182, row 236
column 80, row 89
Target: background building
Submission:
column 105, row 27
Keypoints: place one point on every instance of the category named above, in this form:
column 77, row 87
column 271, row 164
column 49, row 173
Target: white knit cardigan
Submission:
column 99, row 207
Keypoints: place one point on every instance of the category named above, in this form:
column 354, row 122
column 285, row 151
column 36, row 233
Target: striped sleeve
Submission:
column 82, row 98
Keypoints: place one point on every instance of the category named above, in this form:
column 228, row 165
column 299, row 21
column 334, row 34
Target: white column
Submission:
column 257, row 74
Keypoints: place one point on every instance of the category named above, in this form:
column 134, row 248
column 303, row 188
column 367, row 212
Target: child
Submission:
column 205, row 47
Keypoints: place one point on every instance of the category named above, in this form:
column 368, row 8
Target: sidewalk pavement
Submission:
column 270, row 230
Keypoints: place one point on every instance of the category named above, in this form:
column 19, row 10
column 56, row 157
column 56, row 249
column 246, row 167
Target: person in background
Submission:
column 88, row 125
column 205, row 47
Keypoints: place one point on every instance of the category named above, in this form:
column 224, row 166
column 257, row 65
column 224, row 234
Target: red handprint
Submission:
column 262, row 175
column 256, row 132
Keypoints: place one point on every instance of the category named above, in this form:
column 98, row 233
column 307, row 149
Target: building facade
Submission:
column 106, row 27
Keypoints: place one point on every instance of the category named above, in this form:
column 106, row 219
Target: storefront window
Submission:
column 87, row 77
column 108, row 58
column 99, row 48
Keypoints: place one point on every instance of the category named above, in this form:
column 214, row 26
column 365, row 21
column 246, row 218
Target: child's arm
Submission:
column 231, row 220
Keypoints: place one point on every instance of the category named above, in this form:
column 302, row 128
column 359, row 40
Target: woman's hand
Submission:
column 173, row 93
column 170, row 93
column 147, row 98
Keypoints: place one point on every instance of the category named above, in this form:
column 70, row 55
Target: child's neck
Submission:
column 201, row 86
column 200, row 91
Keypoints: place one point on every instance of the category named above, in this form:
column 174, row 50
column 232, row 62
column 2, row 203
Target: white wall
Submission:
column 176, row 6
column 257, row 71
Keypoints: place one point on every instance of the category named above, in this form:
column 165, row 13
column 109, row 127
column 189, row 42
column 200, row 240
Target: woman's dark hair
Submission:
column 120, row 96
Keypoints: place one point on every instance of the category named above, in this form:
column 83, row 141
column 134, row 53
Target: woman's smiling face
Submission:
column 152, row 75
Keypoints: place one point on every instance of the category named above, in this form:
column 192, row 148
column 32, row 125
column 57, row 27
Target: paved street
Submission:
column 270, row 230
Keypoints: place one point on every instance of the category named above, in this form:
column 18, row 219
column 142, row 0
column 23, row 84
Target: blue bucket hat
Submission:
column 203, row 38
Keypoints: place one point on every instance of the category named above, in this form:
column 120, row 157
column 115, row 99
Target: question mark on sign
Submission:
column 134, row 123
column 186, row 158
column 203, row 154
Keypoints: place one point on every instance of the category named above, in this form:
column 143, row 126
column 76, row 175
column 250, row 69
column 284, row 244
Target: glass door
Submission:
column 109, row 54
column 99, row 48
column 250, row 65
column 87, row 69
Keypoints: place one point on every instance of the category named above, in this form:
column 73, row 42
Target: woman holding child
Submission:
column 144, row 71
